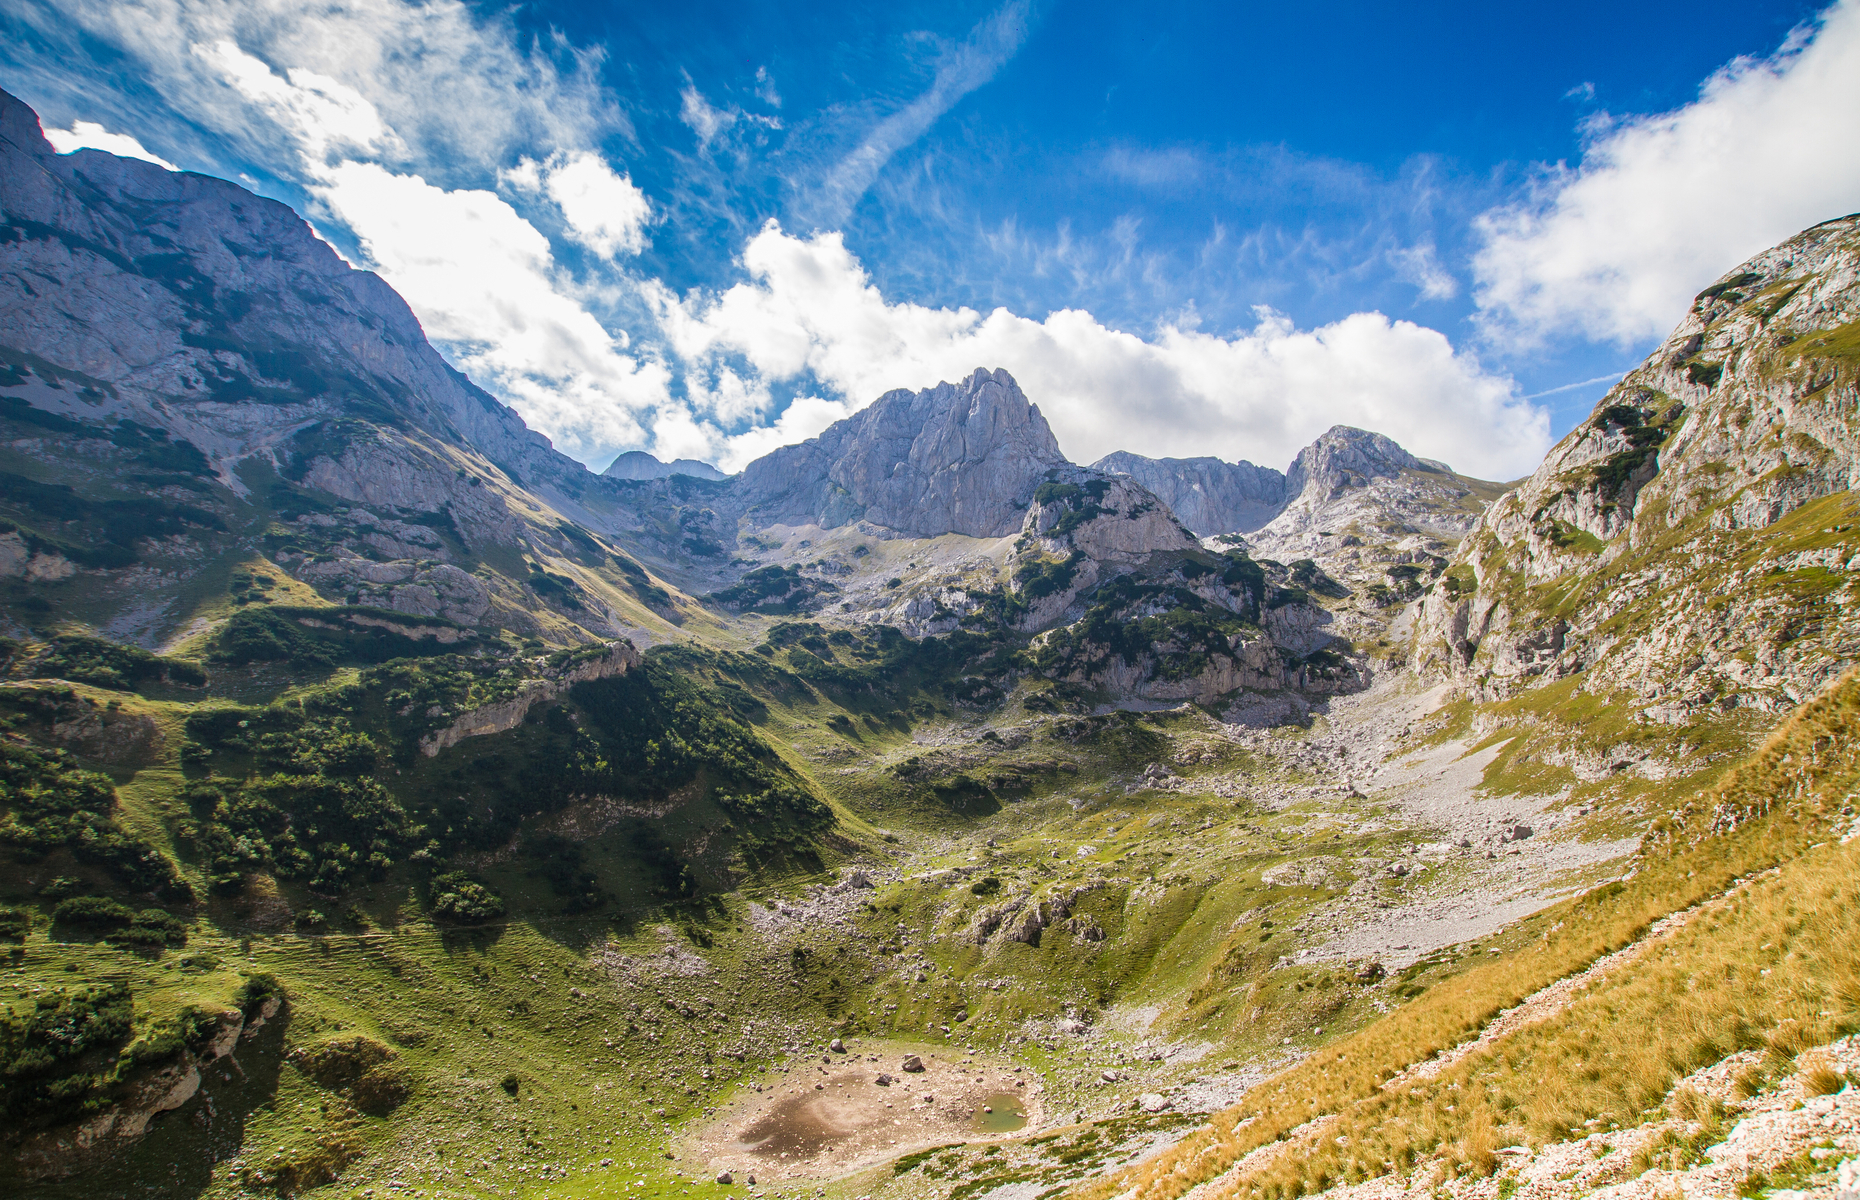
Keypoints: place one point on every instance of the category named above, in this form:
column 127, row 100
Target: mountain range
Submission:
column 389, row 804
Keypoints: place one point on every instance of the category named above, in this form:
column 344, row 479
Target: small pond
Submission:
column 1000, row 1113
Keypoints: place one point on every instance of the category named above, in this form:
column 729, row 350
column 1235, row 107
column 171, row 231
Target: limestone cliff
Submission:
column 1689, row 544
column 184, row 365
column 1208, row 495
column 955, row 458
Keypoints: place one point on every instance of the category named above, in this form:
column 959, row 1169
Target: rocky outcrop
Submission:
column 66, row 1150
column 422, row 589
column 955, row 458
column 1083, row 527
column 618, row 659
column 1353, row 483
column 637, row 464
column 1206, row 494
column 1655, row 548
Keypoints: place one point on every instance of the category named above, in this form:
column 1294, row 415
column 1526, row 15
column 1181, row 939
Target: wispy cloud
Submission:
column 962, row 69
column 1580, row 383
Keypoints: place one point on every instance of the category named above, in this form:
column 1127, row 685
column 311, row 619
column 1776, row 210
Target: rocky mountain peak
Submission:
column 637, row 464
column 1344, row 457
column 955, row 458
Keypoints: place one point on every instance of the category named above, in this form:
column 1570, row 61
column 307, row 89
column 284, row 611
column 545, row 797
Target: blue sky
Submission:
column 707, row 228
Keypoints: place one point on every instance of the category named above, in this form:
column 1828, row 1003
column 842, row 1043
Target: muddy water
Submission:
column 818, row 1119
column 803, row 1126
column 1000, row 1113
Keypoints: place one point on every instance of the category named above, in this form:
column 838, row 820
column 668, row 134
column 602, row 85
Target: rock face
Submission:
column 637, row 464
column 1083, row 527
column 955, row 458
column 1359, row 505
column 191, row 305
column 618, row 659
column 171, row 342
column 1690, row 543
column 1208, row 495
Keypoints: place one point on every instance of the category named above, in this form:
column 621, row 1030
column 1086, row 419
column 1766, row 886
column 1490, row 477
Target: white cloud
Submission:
column 810, row 309
column 88, row 135
column 989, row 46
column 705, row 121
column 1418, row 265
column 601, row 209
column 1615, row 249
column 456, row 84
column 765, row 88
column 480, row 276
column 323, row 115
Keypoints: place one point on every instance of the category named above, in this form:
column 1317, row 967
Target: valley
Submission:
column 393, row 807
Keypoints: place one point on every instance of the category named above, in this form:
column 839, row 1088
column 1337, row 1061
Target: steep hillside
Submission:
column 198, row 391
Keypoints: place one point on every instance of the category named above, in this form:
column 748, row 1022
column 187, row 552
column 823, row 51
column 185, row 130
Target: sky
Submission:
column 707, row 229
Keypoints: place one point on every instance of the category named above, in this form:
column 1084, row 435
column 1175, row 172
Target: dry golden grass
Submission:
column 1819, row 1076
column 1774, row 964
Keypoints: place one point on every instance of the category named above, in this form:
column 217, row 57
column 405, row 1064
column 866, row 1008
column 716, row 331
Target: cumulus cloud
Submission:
column 482, row 278
column 809, row 310
column 1615, row 248
column 601, row 209
column 88, row 135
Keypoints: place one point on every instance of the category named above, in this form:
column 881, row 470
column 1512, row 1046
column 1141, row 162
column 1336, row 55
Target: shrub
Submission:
column 15, row 924
column 459, row 897
column 55, row 1055
column 96, row 911
column 254, row 990
column 46, row 803
column 84, row 659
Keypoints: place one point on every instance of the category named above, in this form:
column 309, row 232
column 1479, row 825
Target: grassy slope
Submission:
column 1775, row 968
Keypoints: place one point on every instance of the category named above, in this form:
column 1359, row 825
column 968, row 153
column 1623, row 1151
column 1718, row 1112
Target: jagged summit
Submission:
column 1345, row 457
column 1212, row 496
column 637, row 464
column 955, row 458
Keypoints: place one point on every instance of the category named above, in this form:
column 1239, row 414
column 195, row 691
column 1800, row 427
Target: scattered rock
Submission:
column 912, row 1063
column 1153, row 1102
column 726, row 1179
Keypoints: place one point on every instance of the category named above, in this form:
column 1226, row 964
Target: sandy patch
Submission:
column 823, row 1115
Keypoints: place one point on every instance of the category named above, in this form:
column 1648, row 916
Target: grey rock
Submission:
column 725, row 1178
column 1208, row 495
column 1741, row 417
column 912, row 1063
column 955, row 458
column 637, row 464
